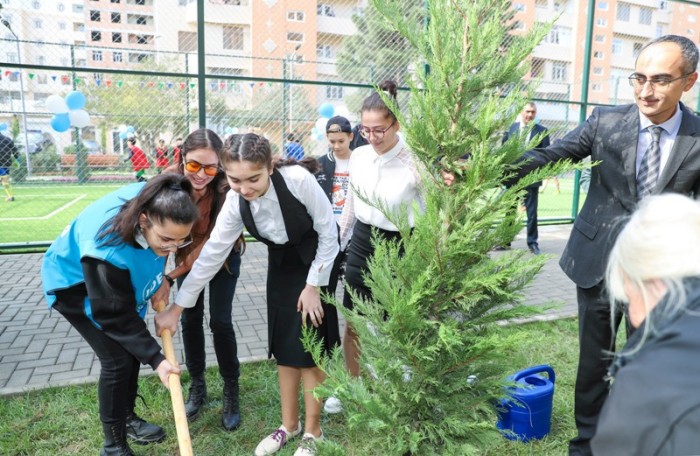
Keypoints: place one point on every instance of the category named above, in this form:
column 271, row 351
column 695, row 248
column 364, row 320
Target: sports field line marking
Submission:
column 44, row 195
column 47, row 216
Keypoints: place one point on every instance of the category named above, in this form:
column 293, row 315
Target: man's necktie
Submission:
column 649, row 168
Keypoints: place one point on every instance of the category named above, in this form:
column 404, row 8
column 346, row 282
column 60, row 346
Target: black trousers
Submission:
column 531, row 199
column 221, row 290
column 119, row 373
column 596, row 338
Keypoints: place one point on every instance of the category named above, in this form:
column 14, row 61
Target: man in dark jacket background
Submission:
column 8, row 154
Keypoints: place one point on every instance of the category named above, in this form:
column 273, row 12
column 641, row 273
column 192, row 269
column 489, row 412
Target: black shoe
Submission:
column 141, row 432
column 196, row 397
column 231, row 418
column 535, row 249
column 501, row 248
column 115, row 440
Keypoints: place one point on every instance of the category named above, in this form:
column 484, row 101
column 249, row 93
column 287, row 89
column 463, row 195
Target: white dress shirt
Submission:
column 667, row 140
column 391, row 178
column 268, row 219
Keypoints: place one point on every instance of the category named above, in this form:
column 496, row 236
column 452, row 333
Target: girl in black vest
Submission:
column 282, row 206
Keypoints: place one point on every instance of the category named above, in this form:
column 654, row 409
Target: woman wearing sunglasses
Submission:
column 100, row 273
column 200, row 165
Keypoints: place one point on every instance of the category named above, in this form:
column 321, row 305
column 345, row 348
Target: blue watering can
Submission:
column 528, row 415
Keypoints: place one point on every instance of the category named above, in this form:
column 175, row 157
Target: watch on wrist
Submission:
column 170, row 280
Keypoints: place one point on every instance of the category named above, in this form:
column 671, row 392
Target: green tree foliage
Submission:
column 433, row 356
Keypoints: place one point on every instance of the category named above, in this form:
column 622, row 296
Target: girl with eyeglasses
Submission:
column 384, row 170
column 283, row 206
column 100, row 274
column 200, row 165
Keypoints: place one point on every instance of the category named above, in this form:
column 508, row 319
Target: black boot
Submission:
column 115, row 440
column 195, row 397
column 232, row 414
column 142, row 432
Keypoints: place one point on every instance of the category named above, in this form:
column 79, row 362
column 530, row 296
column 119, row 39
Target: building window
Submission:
column 598, row 70
column 11, row 57
column 61, row 7
column 139, row 58
column 78, row 27
column 41, row 60
column 558, row 7
column 77, row 8
column 296, row 16
column 519, row 7
column 597, row 87
column 95, row 35
column 600, row 38
column 38, row 24
column 623, row 12
column 636, row 49
column 542, row 4
column 558, row 71
column 334, row 93
column 602, row 6
column 295, row 37
column 36, row 5
column 324, row 51
column 598, row 55
column 116, row 37
column 325, row 10
column 62, row 26
column 233, row 38
column 691, row 18
column 660, row 30
column 141, row 39
column 117, row 57
column 559, row 35
column 97, row 56
column 617, row 46
column 141, row 20
column 645, row 16
column 95, row 16
column 115, row 1
column 663, row 5
column 116, row 18
column 518, row 25
column 601, row 22
column 187, row 41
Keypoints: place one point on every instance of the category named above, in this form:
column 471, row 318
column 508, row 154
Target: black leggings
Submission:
column 119, row 373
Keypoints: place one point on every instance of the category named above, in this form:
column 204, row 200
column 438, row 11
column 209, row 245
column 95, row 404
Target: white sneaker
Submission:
column 333, row 406
column 307, row 447
column 275, row 441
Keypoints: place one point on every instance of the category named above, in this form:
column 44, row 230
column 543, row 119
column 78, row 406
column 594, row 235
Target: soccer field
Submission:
column 40, row 212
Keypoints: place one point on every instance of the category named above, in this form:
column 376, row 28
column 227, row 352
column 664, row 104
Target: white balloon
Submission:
column 56, row 105
column 343, row 111
column 122, row 128
column 79, row 118
column 321, row 125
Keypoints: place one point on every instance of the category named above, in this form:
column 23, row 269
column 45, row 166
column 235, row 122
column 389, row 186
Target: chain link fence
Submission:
column 156, row 70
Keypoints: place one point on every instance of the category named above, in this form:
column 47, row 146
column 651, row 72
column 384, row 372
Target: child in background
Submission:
column 283, row 206
column 139, row 161
column 161, row 154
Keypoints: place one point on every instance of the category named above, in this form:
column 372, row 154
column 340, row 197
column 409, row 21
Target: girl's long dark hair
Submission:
column 375, row 102
column 164, row 197
column 255, row 148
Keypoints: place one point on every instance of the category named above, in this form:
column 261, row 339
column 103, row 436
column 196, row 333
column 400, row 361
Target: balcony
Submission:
column 221, row 14
column 336, row 25
column 634, row 29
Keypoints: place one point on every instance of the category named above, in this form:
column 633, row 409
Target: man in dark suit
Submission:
column 650, row 147
column 523, row 130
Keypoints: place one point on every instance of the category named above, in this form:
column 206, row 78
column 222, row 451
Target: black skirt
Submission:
column 360, row 251
column 286, row 278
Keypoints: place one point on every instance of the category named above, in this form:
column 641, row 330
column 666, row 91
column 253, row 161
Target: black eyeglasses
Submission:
column 638, row 81
column 378, row 133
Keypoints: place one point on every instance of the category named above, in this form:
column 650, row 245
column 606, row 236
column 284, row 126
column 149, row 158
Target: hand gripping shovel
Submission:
column 183, row 432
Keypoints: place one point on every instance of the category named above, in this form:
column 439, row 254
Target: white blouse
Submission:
column 392, row 178
column 268, row 219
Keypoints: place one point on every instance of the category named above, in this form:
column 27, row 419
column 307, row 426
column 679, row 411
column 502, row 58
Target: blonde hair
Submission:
column 661, row 241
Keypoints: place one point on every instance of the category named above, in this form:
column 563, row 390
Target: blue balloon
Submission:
column 130, row 129
column 326, row 110
column 3, row 126
column 75, row 100
column 228, row 130
column 60, row 122
column 122, row 135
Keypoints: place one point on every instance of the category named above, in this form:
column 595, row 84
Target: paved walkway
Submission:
column 39, row 350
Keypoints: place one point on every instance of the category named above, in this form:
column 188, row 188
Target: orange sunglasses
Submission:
column 194, row 167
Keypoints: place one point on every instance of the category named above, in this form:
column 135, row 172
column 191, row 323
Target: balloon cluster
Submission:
column 231, row 131
column 126, row 131
column 68, row 112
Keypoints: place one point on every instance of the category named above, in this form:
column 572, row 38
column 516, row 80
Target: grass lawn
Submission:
column 41, row 211
column 65, row 420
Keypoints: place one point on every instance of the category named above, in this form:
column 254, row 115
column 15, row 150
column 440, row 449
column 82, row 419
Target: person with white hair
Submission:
column 654, row 271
